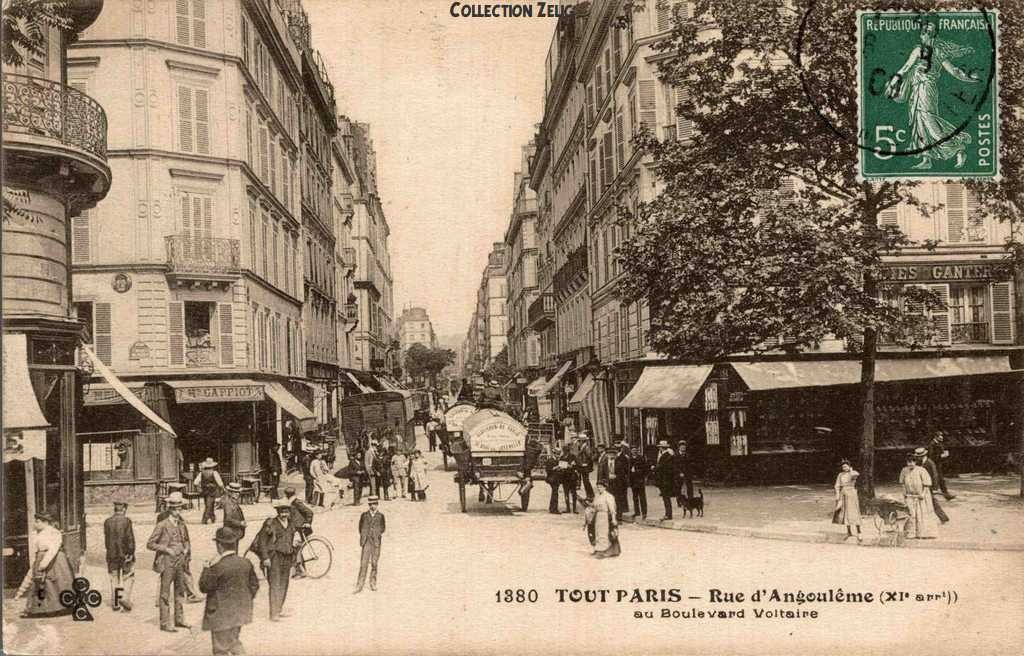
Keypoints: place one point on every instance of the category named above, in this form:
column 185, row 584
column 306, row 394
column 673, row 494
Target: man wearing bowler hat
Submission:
column 665, row 477
column 209, row 483
column 371, row 528
column 233, row 515
column 119, row 537
column 275, row 545
column 230, row 584
column 171, row 543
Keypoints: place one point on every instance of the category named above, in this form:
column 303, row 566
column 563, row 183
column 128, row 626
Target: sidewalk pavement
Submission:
column 987, row 514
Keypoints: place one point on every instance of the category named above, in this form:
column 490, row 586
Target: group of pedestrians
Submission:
column 387, row 470
column 922, row 480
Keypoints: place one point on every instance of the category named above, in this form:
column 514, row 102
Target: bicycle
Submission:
column 315, row 555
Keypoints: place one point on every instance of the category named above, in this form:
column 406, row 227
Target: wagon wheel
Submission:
column 462, row 496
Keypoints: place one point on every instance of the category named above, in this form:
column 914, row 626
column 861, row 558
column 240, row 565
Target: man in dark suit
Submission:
column 936, row 453
column 120, row 541
column 921, row 454
column 275, row 545
column 371, row 528
column 233, row 515
column 665, row 477
column 171, row 543
column 638, row 470
column 584, row 461
column 301, row 517
column 230, row 585
column 614, row 470
column 684, row 482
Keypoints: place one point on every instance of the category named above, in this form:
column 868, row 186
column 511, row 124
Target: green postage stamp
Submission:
column 928, row 94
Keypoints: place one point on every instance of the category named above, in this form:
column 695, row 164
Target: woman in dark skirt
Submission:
column 50, row 573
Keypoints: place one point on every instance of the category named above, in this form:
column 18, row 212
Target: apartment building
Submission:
column 521, row 269
column 190, row 275
column 414, row 327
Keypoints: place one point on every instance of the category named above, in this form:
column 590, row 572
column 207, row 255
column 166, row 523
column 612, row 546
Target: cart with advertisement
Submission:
column 453, row 418
column 491, row 454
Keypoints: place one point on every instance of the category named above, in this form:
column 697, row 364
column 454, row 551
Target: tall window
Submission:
column 191, row 22
column 196, row 214
column 81, row 240
column 193, row 120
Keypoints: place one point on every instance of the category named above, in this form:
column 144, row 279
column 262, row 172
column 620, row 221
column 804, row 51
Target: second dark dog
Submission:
column 691, row 504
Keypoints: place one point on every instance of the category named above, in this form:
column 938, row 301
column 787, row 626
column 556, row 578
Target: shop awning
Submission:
column 225, row 390
column 550, row 385
column 667, row 387
column 282, row 397
column 126, row 393
column 534, row 388
column 24, row 423
column 362, row 388
column 585, row 388
column 783, row 375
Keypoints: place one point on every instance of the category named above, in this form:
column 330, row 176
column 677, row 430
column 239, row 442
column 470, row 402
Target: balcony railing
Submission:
column 970, row 333
column 573, row 274
column 200, row 356
column 41, row 107
column 542, row 312
column 202, row 257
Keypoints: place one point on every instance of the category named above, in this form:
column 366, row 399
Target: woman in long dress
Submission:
column 917, row 84
column 50, row 573
column 324, row 483
column 418, row 473
column 918, row 494
column 847, row 502
column 606, row 543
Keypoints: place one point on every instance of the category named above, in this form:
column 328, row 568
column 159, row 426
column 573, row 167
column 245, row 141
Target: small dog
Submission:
column 694, row 503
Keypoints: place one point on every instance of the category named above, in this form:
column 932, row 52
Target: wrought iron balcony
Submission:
column 542, row 312
column 54, row 133
column 198, row 260
column 572, row 275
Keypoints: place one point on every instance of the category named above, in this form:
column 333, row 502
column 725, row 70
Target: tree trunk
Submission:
column 867, row 383
column 1017, row 362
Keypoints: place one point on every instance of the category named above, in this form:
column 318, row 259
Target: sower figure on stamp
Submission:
column 371, row 528
column 210, row 484
column 119, row 537
column 275, row 545
column 230, row 585
column 171, row 543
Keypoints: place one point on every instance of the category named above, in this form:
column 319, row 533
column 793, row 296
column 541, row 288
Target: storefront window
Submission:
column 969, row 314
column 50, row 391
column 108, row 456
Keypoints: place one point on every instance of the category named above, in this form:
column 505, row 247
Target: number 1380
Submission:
column 518, row 596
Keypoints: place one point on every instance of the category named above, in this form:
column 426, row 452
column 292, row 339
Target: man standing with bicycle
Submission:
column 275, row 546
column 301, row 517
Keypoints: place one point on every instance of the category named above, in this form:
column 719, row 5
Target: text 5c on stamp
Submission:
column 928, row 94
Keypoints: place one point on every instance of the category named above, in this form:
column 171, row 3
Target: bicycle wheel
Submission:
column 316, row 554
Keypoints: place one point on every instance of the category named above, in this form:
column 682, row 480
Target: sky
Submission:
column 450, row 101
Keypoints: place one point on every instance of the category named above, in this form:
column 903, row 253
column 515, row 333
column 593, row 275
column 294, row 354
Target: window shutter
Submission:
column 197, row 219
column 199, row 23
column 889, row 218
column 1002, row 313
column 648, row 105
column 599, row 89
column 183, row 21
column 225, row 316
column 590, row 103
column 248, row 136
column 593, row 180
column 202, row 121
column 955, row 218
column 102, row 329
column 684, row 126
column 207, row 226
column 664, row 15
column 273, row 167
column 186, row 220
column 608, row 172
column 176, row 334
column 185, row 119
column 245, row 40
column 263, row 154
column 617, row 49
column 81, row 244
column 976, row 231
column 620, row 145
column 940, row 317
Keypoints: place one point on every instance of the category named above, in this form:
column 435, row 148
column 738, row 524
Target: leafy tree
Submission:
column 423, row 363
column 762, row 229
column 499, row 370
column 24, row 24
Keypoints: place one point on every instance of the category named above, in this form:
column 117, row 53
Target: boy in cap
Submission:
column 230, row 585
column 119, row 537
column 371, row 528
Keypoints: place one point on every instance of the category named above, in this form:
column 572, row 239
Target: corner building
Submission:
column 189, row 276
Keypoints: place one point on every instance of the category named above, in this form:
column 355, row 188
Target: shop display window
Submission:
column 109, row 456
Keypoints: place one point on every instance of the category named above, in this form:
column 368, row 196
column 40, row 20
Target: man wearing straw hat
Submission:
column 275, row 545
column 210, row 484
column 230, row 585
column 119, row 538
column 233, row 515
column 171, row 543
column 371, row 528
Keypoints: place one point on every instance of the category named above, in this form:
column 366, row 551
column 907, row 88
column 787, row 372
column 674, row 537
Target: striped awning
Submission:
column 595, row 408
